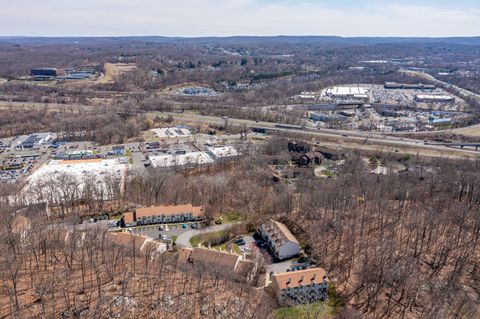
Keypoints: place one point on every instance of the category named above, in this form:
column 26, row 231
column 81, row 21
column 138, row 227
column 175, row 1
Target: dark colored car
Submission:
column 240, row 241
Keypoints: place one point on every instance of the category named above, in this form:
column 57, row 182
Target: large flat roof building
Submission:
column 172, row 132
column 35, row 140
column 431, row 98
column 340, row 91
column 191, row 159
column 44, row 72
column 104, row 177
column 403, row 86
column 356, row 93
column 222, row 152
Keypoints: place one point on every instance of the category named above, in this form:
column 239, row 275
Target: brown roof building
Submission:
column 299, row 287
column 164, row 214
column 137, row 244
column 129, row 219
column 218, row 262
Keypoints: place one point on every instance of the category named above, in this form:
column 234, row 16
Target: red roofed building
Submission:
column 300, row 287
column 164, row 215
column 219, row 262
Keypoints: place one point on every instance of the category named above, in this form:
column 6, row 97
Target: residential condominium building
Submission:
column 218, row 262
column 163, row 215
column 300, row 287
column 137, row 244
column 281, row 241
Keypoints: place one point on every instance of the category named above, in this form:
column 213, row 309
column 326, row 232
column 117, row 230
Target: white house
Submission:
column 281, row 241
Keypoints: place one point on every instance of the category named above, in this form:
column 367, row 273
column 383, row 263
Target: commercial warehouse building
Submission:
column 430, row 98
column 98, row 177
column 169, row 161
column 172, row 132
column 222, row 152
column 35, row 140
column 328, row 118
column 403, row 86
column 44, row 72
column 347, row 93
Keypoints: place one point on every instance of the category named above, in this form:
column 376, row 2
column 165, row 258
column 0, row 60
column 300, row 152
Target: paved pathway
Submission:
column 184, row 239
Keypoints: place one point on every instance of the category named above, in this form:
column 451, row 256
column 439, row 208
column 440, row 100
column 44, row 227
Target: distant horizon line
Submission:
column 243, row 36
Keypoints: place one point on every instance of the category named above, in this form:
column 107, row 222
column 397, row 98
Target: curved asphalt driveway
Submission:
column 183, row 240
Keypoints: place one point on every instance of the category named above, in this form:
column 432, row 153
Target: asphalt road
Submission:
column 359, row 138
column 183, row 240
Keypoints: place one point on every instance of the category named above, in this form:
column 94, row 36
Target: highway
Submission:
column 361, row 140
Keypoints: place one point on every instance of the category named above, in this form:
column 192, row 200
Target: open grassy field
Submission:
column 208, row 238
column 114, row 70
column 50, row 106
column 471, row 131
column 320, row 310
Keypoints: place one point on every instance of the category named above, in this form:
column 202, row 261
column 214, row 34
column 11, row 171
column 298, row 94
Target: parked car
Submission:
column 193, row 226
column 245, row 250
column 161, row 228
column 164, row 237
column 113, row 223
column 219, row 221
column 184, row 226
column 240, row 241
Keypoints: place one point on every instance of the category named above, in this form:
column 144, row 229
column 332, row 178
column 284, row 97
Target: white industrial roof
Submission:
column 346, row 90
column 80, row 172
column 434, row 97
column 172, row 132
column 170, row 160
column 223, row 151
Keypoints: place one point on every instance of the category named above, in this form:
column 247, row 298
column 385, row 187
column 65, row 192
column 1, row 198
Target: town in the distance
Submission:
column 276, row 177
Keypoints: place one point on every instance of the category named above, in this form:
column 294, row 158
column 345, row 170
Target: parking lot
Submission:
column 169, row 230
column 274, row 265
column 13, row 168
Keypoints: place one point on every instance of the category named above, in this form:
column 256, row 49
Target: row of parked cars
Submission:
column 12, row 169
column 183, row 226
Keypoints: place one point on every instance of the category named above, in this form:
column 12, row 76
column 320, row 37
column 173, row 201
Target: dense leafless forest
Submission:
column 396, row 246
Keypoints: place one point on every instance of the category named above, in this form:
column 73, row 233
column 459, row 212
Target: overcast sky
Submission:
column 239, row 17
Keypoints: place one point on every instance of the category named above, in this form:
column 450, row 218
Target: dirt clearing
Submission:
column 114, row 70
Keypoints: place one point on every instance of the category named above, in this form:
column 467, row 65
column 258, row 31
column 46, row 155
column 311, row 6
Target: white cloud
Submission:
column 229, row 17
